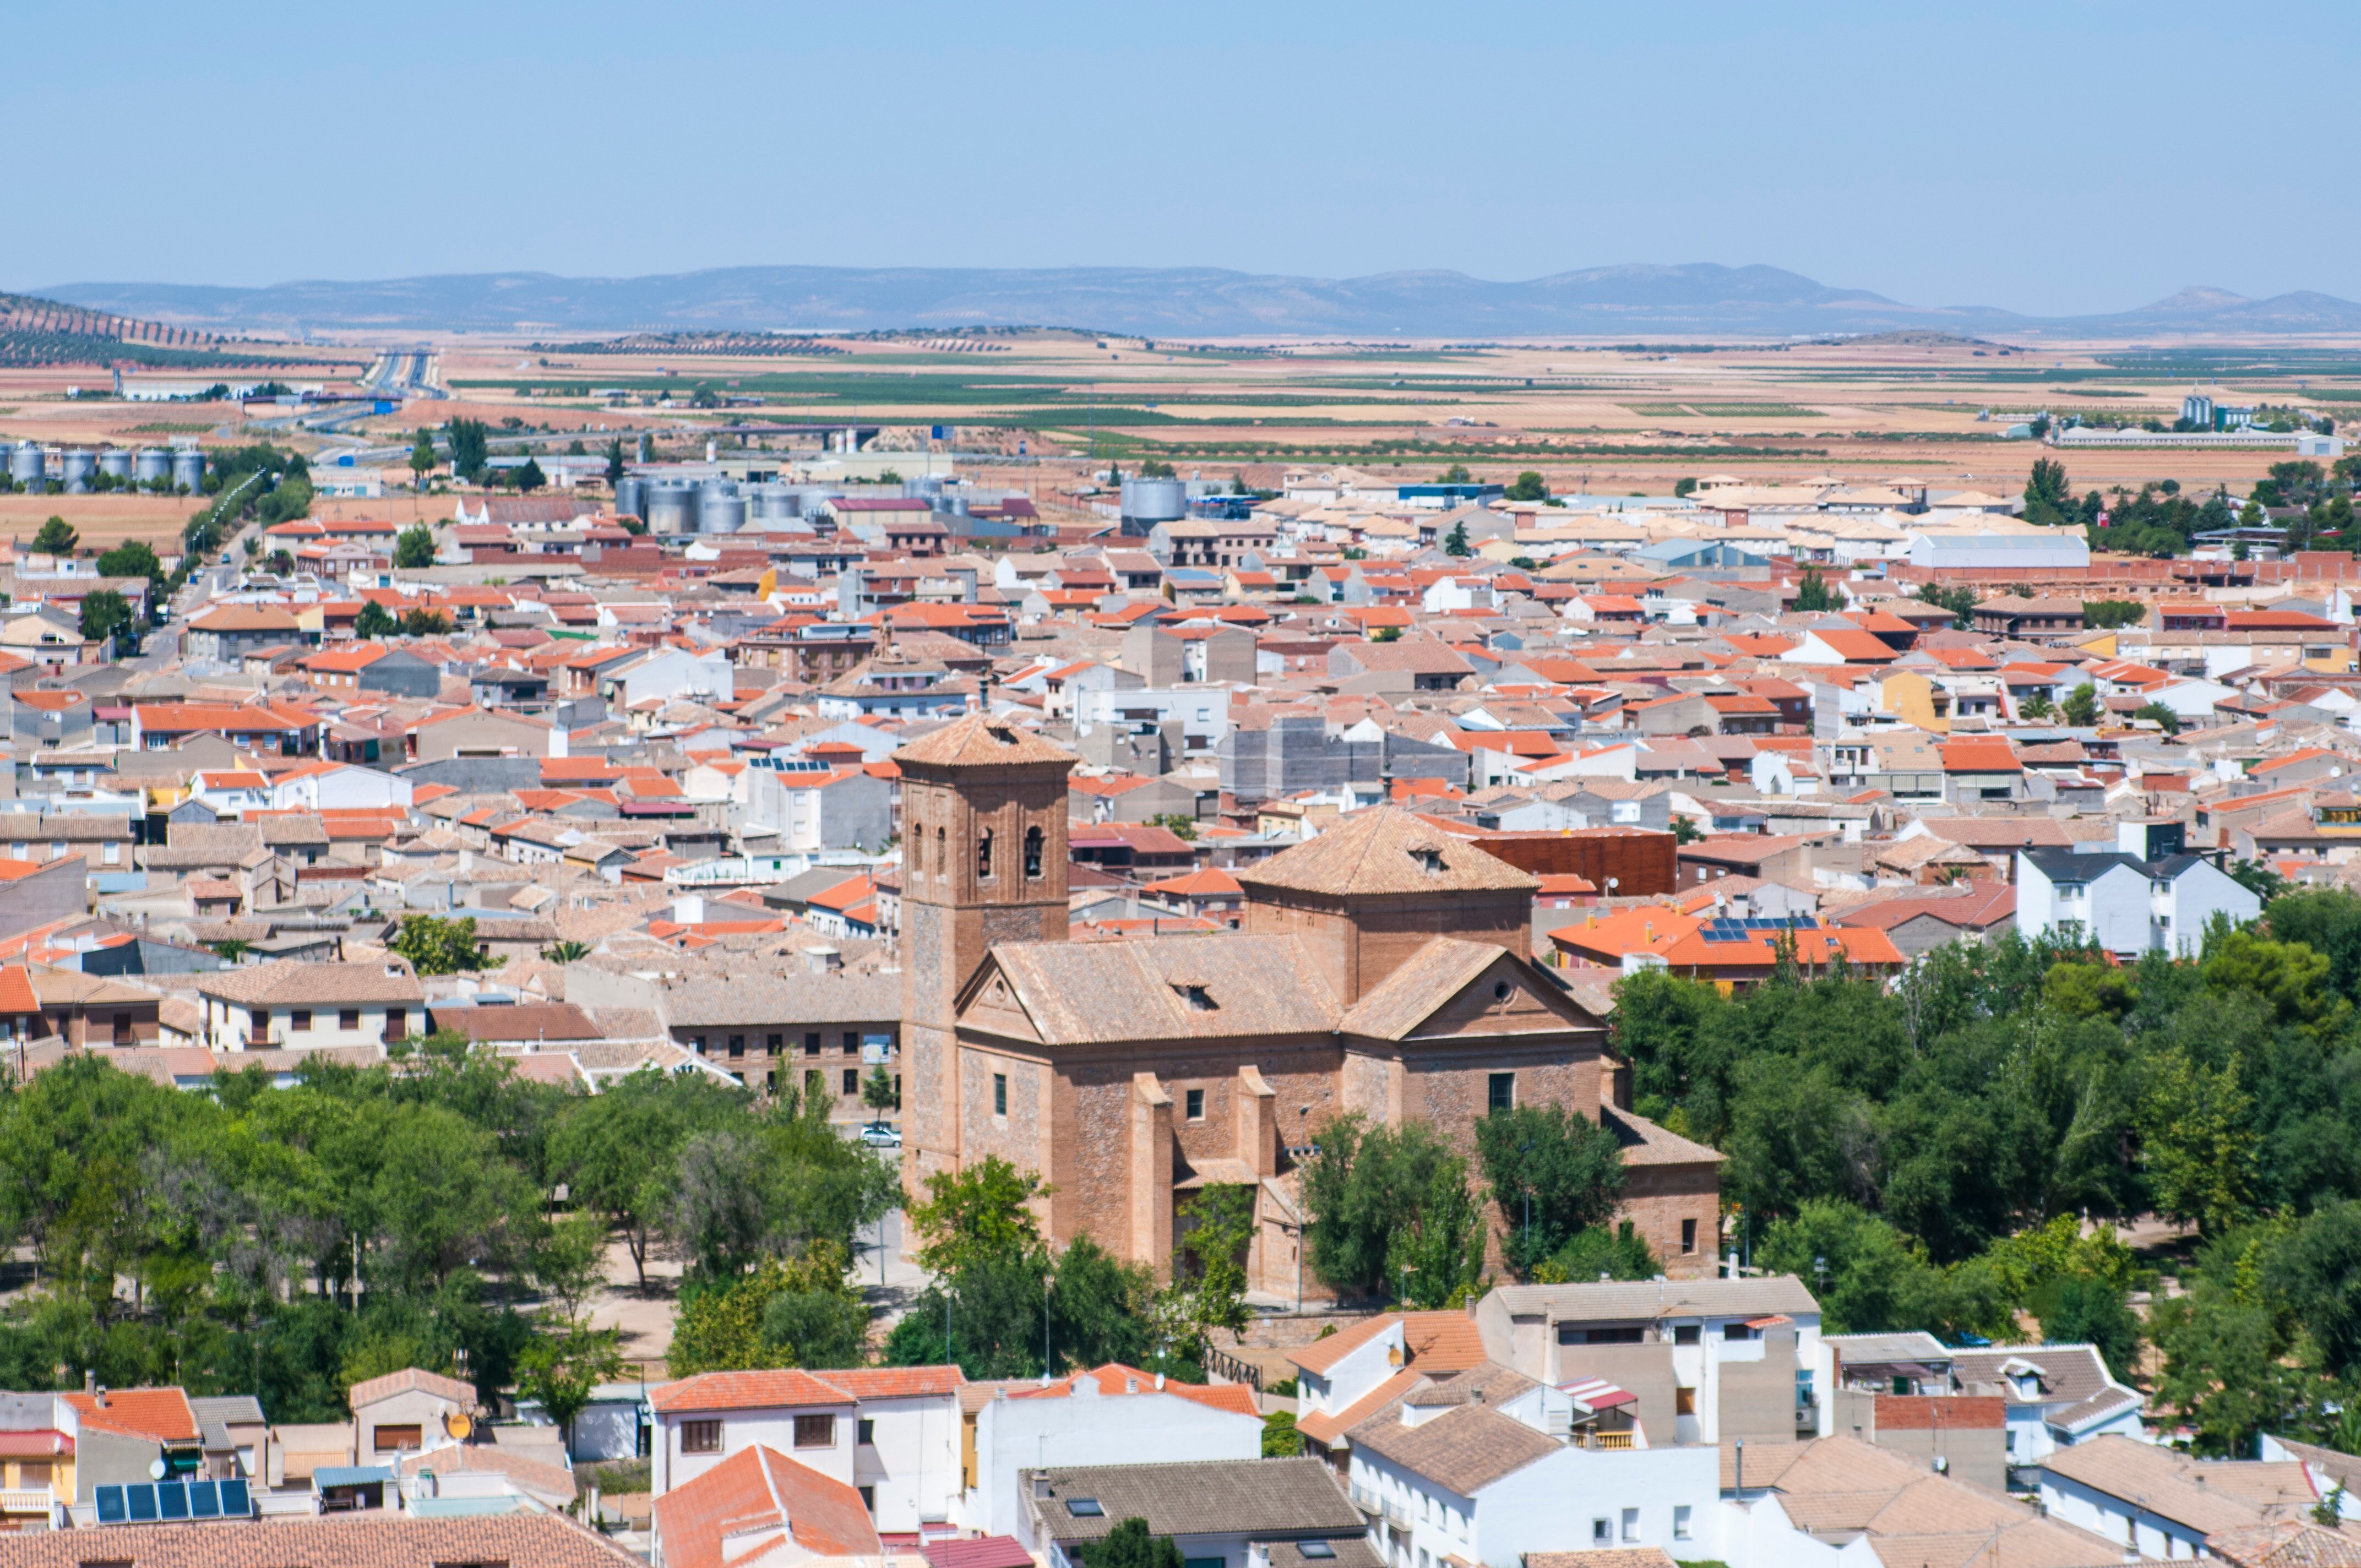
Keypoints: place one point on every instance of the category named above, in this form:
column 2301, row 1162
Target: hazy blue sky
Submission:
column 2051, row 157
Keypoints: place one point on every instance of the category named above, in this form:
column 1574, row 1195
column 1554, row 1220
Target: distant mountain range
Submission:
column 1698, row 299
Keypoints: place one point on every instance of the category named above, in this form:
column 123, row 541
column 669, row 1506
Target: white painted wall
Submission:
column 1090, row 1428
column 1557, row 1503
column 774, row 1428
column 2117, row 1518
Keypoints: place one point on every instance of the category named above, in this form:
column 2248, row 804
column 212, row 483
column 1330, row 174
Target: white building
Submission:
column 1112, row 1415
column 892, row 1433
column 2126, row 905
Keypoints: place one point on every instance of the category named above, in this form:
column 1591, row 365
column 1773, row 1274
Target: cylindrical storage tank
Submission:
column 114, row 463
column 774, row 502
column 189, row 469
column 1147, row 502
column 151, row 463
column 719, row 513
column 79, row 465
column 29, row 465
column 631, row 497
column 671, row 507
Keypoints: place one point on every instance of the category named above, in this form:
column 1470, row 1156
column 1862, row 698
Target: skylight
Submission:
column 1085, row 1509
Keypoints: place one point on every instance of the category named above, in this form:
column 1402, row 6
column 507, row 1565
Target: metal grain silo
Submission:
column 151, row 464
column 671, row 507
column 29, row 465
column 631, row 497
column 721, row 512
column 1147, row 502
column 78, row 466
column 777, row 503
column 189, row 469
column 114, row 463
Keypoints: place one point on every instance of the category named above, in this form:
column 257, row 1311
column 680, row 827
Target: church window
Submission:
column 1503, row 1092
column 942, row 854
column 1033, row 854
column 984, row 856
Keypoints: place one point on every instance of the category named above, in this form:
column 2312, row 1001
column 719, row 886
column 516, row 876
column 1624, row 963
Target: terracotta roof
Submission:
column 893, row 1382
column 410, row 1379
column 160, row 1413
column 1437, row 1341
column 980, row 740
column 1114, row 1378
column 757, row 1486
column 747, row 1391
column 1385, row 851
column 376, row 1540
column 2289, row 1543
column 1253, row 987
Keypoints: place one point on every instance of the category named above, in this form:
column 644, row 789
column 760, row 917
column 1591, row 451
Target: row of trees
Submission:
column 288, row 1242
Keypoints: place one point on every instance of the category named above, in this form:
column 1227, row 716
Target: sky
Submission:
column 2053, row 159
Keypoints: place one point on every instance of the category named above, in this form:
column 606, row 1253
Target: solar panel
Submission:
column 172, row 1499
column 233, row 1500
column 110, row 1505
column 205, row 1500
column 142, row 1499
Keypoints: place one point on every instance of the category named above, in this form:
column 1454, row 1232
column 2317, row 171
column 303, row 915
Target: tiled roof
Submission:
column 2220, row 1496
column 763, row 1391
column 542, row 1540
column 160, row 1413
column 1385, row 851
column 1254, row 1498
column 410, row 1379
column 979, row 740
column 754, row 1486
column 1115, row 1378
column 1645, row 1301
column 294, row 982
column 1464, row 1449
column 2289, row 1543
column 1078, row 993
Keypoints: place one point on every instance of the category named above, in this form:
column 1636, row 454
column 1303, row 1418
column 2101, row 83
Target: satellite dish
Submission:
column 156, row 1468
column 458, row 1423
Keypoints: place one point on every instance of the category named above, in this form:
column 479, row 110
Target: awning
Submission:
column 1595, row 1394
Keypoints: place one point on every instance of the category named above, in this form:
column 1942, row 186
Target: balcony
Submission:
column 16, row 1502
column 1607, row 1440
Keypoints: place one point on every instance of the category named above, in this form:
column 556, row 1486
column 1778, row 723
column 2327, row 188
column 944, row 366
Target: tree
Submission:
column 1685, row 828
column 1455, row 542
column 1684, row 489
column 560, row 1372
column 788, row 1312
column 1381, row 1198
column 2037, row 705
column 1552, row 1172
column 1128, row 1545
column 978, row 1211
column 434, row 945
column 1812, row 594
column 1280, row 1438
column 414, row 550
column 2196, row 1140
column 424, row 623
column 470, row 448
column 1211, row 1293
column 2160, row 715
column 421, row 459
column 2046, row 492
column 2094, row 1312
column 565, row 952
column 2101, row 615
column 530, row 477
column 2082, row 706
column 1456, row 475
column 105, row 613
column 1528, row 486
column 375, row 621
column 55, row 538
column 879, row 1094
column 1601, row 1253
column 614, row 462
column 132, row 558
column 569, row 1263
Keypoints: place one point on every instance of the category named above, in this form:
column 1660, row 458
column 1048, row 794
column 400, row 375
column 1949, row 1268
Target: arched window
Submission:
column 942, row 854
column 1033, row 854
column 984, row 856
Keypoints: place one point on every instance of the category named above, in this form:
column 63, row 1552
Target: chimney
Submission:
column 90, row 1382
column 1160, row 1382
column 100, row 1395
column 1040, row 1483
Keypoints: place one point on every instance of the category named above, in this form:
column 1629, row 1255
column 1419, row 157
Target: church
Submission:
column 1383, row 968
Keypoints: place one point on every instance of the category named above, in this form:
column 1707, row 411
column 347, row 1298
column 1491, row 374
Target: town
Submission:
column 1023, row 788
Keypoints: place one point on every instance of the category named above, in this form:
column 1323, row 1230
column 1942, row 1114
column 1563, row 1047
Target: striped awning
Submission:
column 1595, row 1394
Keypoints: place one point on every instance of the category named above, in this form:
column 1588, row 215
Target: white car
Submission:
column 878, row 1136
